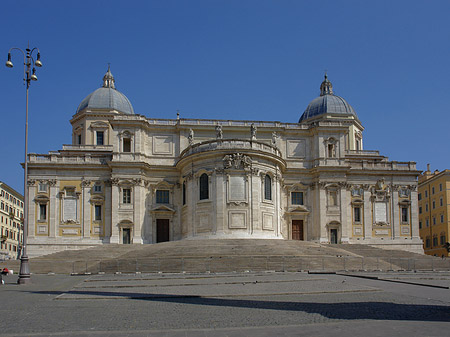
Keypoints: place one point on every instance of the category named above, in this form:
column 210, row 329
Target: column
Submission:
column 108, row 214
column 346, row 222
column 53, row 209
column 395, row 217
column 415, row 214
column 367, row 215
column 115, row 197
column 31, row 210
column 85, row 209
column 138, row 211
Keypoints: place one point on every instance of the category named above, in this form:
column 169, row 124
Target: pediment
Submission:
column 162, row 208
column 298, row 209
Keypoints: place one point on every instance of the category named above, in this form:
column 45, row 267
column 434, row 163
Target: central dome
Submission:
column 327, row 103
column 107, row 98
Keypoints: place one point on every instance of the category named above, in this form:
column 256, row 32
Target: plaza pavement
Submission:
column 228, row 304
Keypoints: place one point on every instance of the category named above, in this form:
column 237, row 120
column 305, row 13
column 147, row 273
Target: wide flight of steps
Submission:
column 229, row 255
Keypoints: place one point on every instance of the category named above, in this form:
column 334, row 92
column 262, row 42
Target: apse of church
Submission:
column 131, row 179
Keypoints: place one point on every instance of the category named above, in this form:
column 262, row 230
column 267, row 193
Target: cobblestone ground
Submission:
column 247, row 304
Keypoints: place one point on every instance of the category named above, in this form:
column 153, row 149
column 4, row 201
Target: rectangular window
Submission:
column 434, row 220
column 404, row 214
column 79, row 139
column 420, row 210
column 162, row 196
column 97, row 188
column 442, row 218
column 426, row 207
column 441, row 202
column 333, row 198
column 426, row 194
column 184, row 193
column 434, row 204
column 442, row 239
column 420, row 224
column 432, row 190
column 42, row 188
column 42, row 212
column 126, row 145
column 297, row 198
column 420, row 196
column 100, row 136
column 357, row 214
column 126, row 196
column 427, row 223
column 427, row 242
column 98, row 212
column 440, row 187
column 435, row 241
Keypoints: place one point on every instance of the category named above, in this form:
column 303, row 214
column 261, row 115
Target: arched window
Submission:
column 267, row 187
column 204, row 186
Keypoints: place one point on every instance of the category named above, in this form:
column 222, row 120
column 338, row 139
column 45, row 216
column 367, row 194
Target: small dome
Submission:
column 107, row 97
column 327, row 103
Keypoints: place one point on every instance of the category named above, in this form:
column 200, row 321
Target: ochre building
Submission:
column 130, row 179
column 434, row 210
column 11, row 219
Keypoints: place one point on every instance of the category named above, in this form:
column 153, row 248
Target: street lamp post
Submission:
column 28, row 76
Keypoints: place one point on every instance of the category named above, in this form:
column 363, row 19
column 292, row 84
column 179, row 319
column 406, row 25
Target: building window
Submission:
column 434, row 204
column 357, row 214
column 435, row 241
column 420, row 210
column 42, row 212
column 426, row 207
column 332, row 198
column 331, row 153
column 432, row 190
column 426, row 194
column 98, row 212
column 420, row 196
column 267, row 187
column 126, row 196
column 100, row 137
column 404, row 214
column 442, row 239
column 126, row 145
column 297, row 198
column 420, row 224
column 162, row 196
column 442, row 218
column 441, row 202
column 427, row 242
column 97, row 188
column 434, row 220
column 79, row 139
column 440, row 187
column 42, row 188
column 427, row 222
column 184, row 193
column 204, row 187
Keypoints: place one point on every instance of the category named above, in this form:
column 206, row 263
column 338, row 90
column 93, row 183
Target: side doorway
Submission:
column 297, row 230
column 162, row 230
column 126, row 236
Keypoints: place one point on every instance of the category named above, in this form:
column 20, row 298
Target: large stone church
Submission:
column 130, row 179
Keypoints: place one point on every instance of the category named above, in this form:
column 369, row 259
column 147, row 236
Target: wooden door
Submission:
column 297, row 229
column 162, row 230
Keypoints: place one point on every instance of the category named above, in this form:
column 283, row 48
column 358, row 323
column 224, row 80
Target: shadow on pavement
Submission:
column 345, row 310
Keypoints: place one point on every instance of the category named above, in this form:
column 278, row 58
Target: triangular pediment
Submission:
column 162, row 208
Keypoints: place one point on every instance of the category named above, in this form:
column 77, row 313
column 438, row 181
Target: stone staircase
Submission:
column 229, row 255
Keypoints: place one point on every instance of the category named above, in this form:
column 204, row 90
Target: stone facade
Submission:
column 127, row 178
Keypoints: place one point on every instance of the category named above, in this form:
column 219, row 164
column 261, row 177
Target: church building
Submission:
column 130, row 179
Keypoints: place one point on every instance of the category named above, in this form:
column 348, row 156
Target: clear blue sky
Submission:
column 232, row 59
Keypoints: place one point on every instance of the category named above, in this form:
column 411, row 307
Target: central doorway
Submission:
column 162, row 230
column 297, row 229
column 126, row 236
